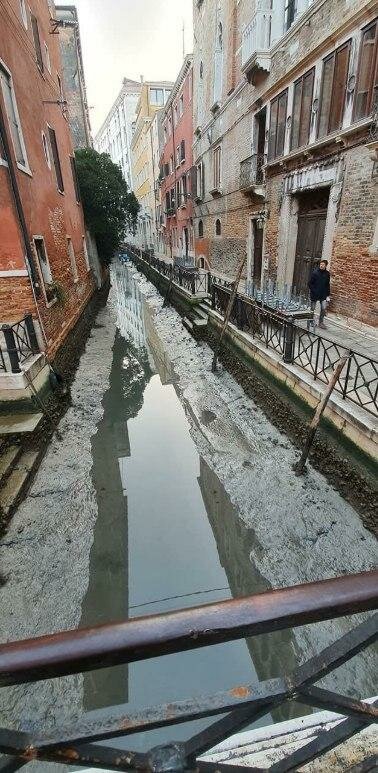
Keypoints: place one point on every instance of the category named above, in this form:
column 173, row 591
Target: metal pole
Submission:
column 299, row 467
column 10, row 343
column 228, row 314
column 81, row 650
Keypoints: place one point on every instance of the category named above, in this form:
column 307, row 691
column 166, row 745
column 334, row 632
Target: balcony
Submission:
column 252, row 175
column 256, row 44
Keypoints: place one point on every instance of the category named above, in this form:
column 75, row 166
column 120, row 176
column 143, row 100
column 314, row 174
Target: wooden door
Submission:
column 311, row 228
column 258, row 237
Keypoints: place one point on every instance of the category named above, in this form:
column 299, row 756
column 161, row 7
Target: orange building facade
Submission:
column 44, row 261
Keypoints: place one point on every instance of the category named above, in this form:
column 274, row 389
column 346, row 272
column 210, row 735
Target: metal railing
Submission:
column 75, row 652
column 194, row 280
column 18, row 342
column 251, row 171
column 314, row 354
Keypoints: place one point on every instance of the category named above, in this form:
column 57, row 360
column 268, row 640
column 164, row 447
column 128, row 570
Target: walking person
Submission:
column 320, row 290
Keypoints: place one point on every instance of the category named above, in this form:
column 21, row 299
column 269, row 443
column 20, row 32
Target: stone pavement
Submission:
column 360, row 341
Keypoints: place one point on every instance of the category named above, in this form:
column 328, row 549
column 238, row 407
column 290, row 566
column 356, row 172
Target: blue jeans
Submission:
column 323, row 309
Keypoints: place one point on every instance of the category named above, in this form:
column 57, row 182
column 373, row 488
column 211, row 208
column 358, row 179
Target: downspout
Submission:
column 32, row 271
column 175, row 170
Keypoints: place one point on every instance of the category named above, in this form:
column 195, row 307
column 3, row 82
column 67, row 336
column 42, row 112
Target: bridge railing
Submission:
column 74, row 652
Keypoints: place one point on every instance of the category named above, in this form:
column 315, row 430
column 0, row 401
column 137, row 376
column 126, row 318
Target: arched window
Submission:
column 200, row 229
column 218, row 228
column 201, row 70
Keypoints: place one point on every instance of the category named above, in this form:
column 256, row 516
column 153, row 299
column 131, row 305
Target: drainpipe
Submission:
column 174, row 170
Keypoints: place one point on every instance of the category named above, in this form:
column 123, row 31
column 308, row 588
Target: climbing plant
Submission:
column 110, row 208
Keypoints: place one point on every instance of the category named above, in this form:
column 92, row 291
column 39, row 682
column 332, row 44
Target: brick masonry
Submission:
column 353, row 257
column 48, row 213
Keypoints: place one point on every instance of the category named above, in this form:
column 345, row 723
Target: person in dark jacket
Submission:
column 320, row 289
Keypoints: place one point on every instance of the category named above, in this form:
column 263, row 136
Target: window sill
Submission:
column 216, row 192
column 3, row 162
column 25, row 169
column 61, row 192
column 306, row 150
column 49, row 304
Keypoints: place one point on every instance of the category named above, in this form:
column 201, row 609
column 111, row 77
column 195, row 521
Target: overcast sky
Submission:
column 129, row 38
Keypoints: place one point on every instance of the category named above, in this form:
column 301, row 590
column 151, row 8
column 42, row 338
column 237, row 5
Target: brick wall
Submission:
column 48, row 213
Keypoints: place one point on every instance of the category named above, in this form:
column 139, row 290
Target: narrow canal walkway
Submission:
column 169, row 489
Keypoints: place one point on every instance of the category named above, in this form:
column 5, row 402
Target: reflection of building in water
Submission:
column 130, row 306
column 161, row 362
column 272, row 654
column 107, row 599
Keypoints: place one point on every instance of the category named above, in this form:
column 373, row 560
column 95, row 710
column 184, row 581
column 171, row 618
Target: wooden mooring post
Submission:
column 300, row 466
column 227, row 315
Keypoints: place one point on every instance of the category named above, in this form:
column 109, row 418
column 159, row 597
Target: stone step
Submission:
column 188, row 324
column 200, row 322
column 7, row 458
column 17, row 481
column 19, row 423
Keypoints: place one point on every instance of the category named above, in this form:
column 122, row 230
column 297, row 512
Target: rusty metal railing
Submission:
column 74, row 652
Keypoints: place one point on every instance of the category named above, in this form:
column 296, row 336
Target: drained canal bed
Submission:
column 170, row 489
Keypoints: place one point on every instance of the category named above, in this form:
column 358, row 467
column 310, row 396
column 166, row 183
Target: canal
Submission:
column 168, row 489
column 166, row 535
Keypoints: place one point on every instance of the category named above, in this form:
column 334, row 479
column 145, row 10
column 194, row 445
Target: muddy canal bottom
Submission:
column 166, row 536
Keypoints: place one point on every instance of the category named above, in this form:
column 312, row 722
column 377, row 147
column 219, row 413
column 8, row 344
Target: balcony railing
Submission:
column 86, row 741
column 251, row 172
column 18, row 342
column 257, row 34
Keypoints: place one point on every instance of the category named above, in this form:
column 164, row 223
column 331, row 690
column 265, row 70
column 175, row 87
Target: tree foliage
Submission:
column 110, row 209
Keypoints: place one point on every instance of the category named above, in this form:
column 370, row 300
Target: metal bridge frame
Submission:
column 75, row 652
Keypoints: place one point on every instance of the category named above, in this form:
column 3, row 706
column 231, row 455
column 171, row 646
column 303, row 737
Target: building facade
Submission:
column 44, row 260
column 176, row 168
column 73, row 87
column 115, row 135
column 285, row 138
column 153, row 97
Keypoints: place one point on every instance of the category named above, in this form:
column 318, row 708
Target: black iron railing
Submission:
column 195, row 281
column 252, row 171
column 75, row 652
column 315, row 354
column 18, row 343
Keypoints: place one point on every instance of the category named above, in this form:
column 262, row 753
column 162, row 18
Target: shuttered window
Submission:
column 13, row 118
column 37, row 41
column 335, row 74
column 302, row 105
column 277, row 128
column 366, row 96
column 182, row 150
column 56, row 160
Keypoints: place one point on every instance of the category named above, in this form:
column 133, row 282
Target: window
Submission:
column 167, row 202
column 335, row 74
column 176, row 115
column 75, row 178
column 182, row 150
column 302, row 105
column 71, row 253
column 85, row 253
column 218, row 228
column 200, row 180
column 278, row 109
column 217, row 161
column 46, row 150
column 178, row 193
column 165, row 134
column 181, row 104
column 171, row 165
column 200, row 229
column 44, row 267
column 166, row 170
column 47, row 57
column 366, row 96
column 169, row 127
column 290, row 11
column 37, row 41
column 172, row 198
column 24, row 13
column 218, row 63
column 184, row 189
column 56, row 160
column 13, row 118
column 157, row 97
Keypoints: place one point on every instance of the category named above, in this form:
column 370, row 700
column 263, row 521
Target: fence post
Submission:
column 31, row 333
column 180, row 276
column 289, row 341
column 213, row 296
column 193, row 285
column 10, row 343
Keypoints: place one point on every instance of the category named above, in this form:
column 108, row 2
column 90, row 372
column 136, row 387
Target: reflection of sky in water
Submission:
column 161, row 532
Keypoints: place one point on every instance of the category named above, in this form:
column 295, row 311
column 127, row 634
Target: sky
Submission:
column 129, row 38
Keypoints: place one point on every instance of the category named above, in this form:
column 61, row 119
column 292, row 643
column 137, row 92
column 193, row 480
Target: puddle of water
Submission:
column 166, row 537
